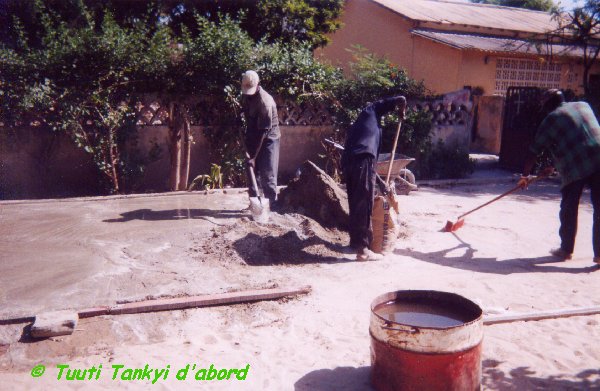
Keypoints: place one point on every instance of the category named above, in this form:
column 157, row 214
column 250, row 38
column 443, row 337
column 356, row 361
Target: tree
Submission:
column 74, row 78
column 538, row 5
column 184, row 48
column 306, row 21
column 581, row 28
column 82, row 73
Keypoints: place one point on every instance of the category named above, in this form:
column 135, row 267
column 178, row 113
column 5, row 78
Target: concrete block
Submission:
column 51, row 324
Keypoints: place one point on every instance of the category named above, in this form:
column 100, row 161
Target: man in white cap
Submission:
column 262, row 135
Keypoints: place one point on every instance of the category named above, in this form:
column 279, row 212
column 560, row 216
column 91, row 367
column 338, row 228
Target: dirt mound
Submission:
column 315, row 194
column 287, row 239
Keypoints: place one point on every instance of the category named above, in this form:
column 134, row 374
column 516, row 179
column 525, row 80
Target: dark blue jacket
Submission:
column 364, row 136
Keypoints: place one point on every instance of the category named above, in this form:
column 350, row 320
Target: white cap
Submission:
column 249, row 82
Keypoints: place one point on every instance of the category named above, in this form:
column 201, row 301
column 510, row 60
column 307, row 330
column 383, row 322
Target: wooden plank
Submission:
column 205, row 300
column 21, row 319
column 180, row 303
column 552, row 314
column 95, row 311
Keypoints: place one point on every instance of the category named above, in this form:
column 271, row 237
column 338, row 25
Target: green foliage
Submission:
column 74, row 79
column 371, row 78
column 539, row 5
column 214, row 180
column 82, row 78
column 226, row 143
column 215, row 56
column 414, row 140
column 300, row 20
column 290, row 71
column 287, row 21
column 446, row 162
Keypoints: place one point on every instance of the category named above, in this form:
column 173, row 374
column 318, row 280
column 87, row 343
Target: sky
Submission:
column 566, row 4
column 569, row 4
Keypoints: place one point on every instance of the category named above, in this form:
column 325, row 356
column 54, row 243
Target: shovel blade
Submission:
column 259, row 209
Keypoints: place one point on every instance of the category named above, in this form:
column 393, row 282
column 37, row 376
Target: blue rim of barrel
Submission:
column 425, row 338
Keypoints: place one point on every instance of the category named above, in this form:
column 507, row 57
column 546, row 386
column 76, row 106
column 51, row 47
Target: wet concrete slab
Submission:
column 70, row 254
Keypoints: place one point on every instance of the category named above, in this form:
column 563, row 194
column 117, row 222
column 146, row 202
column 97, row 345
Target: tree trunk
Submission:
column 186, row 149
column 114, row 176
column 113, row 156
column 586, row 81
column 175, row 130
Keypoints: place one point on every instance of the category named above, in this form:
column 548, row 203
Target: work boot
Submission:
column 365, row 255
column 562, row 254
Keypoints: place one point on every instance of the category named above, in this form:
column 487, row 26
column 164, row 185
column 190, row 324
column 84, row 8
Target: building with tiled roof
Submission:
column 450, row 45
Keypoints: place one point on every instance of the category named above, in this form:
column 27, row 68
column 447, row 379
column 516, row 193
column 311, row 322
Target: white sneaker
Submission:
column 366, row 255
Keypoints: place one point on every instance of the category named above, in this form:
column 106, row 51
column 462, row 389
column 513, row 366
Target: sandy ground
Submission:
column 73, row 254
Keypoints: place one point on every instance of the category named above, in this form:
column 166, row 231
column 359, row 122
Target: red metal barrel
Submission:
column 405, row 356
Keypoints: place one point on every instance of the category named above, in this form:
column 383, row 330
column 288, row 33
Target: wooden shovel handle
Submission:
column 393, row 155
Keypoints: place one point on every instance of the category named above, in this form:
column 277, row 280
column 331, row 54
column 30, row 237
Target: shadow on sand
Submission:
column 357, row 379
column 338, row 379
column 491, row 265
column 174, row 214
column 522, row 379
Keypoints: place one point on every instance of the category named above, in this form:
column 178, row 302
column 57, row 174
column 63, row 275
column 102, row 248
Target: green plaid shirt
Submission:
column 572, row 134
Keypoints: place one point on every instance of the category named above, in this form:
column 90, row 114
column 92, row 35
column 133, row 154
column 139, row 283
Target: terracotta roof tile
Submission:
column 497, row 44
column 472, row 14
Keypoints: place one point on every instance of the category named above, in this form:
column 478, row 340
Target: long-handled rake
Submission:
column 451, row 227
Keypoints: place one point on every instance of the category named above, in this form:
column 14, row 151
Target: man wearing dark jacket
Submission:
column 363, row 141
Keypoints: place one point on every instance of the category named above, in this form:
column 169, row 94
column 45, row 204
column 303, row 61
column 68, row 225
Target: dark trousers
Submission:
column 267, row 165
column 569, row 207
column 359, row 174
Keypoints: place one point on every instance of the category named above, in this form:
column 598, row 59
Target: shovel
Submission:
column 260, row 210
column 393, row 155
column 451, row 227
column 253, row 178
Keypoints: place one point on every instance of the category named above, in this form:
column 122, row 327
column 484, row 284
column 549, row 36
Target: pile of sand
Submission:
column 315, row 194
column 286, row 239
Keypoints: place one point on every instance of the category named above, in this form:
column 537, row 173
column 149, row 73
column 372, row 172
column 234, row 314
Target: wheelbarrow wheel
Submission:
column 405, row 182
column 408, row 176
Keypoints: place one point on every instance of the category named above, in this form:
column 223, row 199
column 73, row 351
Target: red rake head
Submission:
column 451, row 227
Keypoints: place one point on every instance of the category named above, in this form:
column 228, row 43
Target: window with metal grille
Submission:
column 518, row 72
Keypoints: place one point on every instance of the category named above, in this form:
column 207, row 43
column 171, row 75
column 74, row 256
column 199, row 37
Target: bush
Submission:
column 446, row 162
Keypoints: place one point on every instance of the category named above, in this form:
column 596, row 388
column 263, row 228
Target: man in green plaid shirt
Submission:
column 572, row 135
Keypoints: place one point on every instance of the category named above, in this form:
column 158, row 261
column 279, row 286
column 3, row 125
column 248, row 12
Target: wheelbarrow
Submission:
column 403, row 179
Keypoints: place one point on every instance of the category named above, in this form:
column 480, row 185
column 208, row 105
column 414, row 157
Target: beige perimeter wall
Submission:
column 36, row 163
